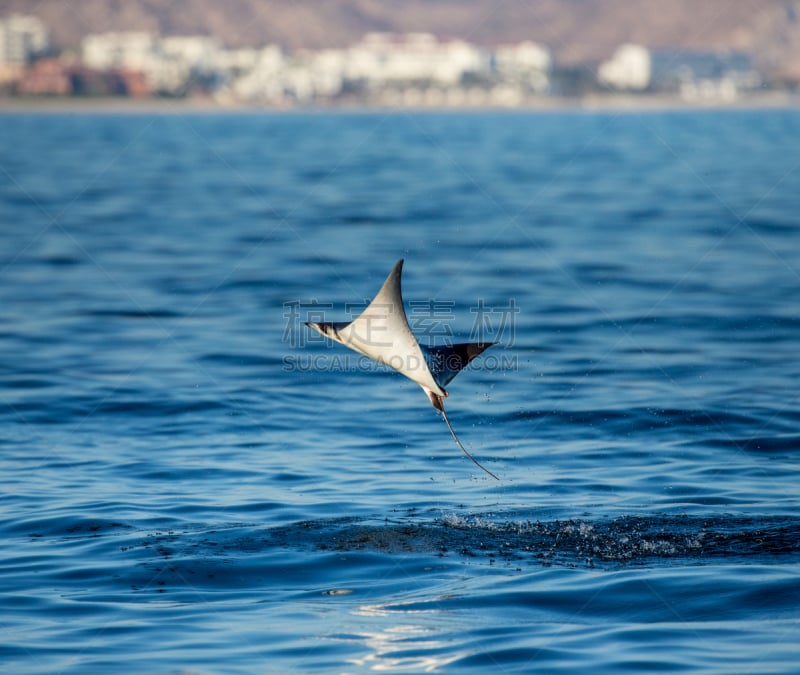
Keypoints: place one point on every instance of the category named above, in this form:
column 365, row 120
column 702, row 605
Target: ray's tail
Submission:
column 466, row 452
column 438, row 403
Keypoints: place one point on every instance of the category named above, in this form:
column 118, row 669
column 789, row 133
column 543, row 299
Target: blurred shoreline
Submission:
column 611, row 102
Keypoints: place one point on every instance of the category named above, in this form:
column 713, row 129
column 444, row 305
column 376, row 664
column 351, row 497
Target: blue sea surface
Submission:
column 192, row 481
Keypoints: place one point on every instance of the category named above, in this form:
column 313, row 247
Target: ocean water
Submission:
column 193, row 482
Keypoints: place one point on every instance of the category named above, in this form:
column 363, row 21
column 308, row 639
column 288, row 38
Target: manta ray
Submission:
column 381, row 332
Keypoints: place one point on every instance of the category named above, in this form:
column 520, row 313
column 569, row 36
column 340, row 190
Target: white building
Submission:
column 22, row 37
column 183, row 59
column 238, row 61
column 382, row 58
column 629, row 68
column 131, row 50
column 527, row 64
column 327, row 69
column 261, row 75
column 199, row 53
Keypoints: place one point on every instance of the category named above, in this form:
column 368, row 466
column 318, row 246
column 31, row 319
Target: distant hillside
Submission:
column 576, row 30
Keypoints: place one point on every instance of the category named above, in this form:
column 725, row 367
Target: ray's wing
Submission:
column 328, row 329
column 381, row 332
column 448, row 361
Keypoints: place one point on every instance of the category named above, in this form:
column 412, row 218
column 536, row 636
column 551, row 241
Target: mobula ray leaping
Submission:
column 381, row 332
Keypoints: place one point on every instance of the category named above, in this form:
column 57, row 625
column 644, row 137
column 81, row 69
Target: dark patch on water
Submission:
column 605, row 544
column 623, row 540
